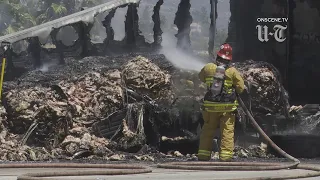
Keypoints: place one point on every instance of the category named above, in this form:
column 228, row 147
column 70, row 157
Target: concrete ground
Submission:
column 160, row 174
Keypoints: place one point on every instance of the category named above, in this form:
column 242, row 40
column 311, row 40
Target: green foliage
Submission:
column 42, row 18
column 27, row 19
column 27, row 16
column 19, row 16
column 15, row 14
column 91, row 3
column 59, row 9
column 10, row 29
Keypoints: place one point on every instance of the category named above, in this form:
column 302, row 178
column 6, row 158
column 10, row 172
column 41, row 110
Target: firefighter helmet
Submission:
column 225, row 52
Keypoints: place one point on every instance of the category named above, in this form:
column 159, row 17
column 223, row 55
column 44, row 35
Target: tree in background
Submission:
column 201, row 17
column 14, row 16
column 17, row 16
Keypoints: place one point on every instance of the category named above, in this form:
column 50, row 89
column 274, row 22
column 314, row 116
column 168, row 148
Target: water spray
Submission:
column 179, row 58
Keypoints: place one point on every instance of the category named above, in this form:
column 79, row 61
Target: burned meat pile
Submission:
column 47, row 108
column 145, row 77
column 38, row 107
column 263, row 81
column 98, row 105
column 264, row 96
column 93, row 95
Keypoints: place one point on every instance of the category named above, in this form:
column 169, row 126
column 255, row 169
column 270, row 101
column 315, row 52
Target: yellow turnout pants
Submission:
column 211, row 123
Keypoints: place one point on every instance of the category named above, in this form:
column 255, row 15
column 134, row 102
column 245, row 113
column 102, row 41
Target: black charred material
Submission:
column 157, row 36
column 8, row 55
column 109, row 126
column 107, row 24
column 83, row 31
column 84, row 38
column 233, row 39
column 309, row 145
column 59, row 45
column 10, row 71
column 213, row 19
column 183, row 21
column 132, row 24
column 35, row 50
column 49, row 134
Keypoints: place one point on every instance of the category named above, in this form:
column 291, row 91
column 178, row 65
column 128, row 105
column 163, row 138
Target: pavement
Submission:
column 159, row 174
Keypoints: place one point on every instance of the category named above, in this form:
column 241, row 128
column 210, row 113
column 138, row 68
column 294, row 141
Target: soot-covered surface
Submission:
column 298, row 145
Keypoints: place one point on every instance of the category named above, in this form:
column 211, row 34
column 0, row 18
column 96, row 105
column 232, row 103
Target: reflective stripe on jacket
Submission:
column 219, row 107
column 233, row 79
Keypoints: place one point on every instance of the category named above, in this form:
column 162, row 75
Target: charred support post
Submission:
column 9, row 54
column 132, row 24
column 107, row 24
column 157, row 32
column 212, row 31
column 60, row 50
column 232, row 28
column 35, row 49
column 183, row 21
column 59, row 45
column 84, row 37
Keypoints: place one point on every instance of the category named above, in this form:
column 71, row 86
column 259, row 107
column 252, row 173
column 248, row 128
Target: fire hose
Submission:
column 124, row 169
column 250, row 166
column 117, row 169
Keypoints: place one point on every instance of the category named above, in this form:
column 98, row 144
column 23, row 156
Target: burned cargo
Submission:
column 89, row 108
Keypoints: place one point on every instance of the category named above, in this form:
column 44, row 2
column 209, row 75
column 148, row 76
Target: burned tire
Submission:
column 297, row 145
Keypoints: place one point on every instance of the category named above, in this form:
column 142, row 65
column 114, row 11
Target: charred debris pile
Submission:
column 98, row 106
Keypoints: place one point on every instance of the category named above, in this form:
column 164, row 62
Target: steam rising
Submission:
column 177, row 57
column 45, row 67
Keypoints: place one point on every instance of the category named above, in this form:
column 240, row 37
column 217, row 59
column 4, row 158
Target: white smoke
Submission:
column 177, row 57
column 46, row 66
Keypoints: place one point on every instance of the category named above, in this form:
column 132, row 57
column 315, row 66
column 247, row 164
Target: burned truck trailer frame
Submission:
column 81, row 21
column 189, row 121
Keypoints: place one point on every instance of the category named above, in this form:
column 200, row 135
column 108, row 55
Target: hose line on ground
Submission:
column 123, row 169
column 106, row 169
column 264, row 135
column 250, row 166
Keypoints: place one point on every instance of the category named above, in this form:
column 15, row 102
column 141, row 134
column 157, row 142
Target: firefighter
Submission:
column 219, row 104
